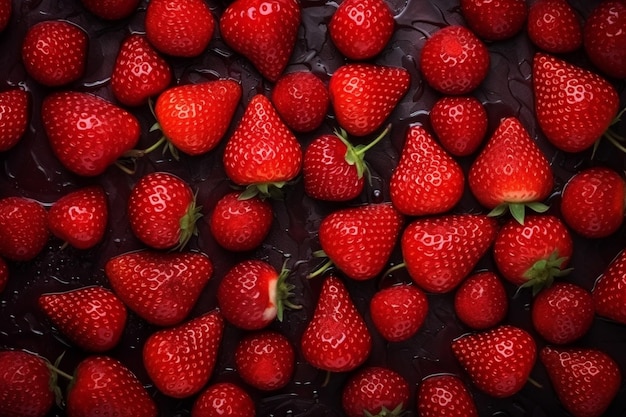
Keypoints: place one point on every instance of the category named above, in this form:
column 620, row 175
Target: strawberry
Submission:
column 359, row 240
column 454, row 60
column 495, row 19
column 180, row 360
column 265, row 360
column 460, row 124
column 139, row 72
column 6, row 9
column 80, row 217
column 574, row 106
column 92, row 318
column 593, row 202
column 499, row 360
column 111, row 9
column 14, row 116
column 363, row 96
column 181, row 29
column 55, row 52
column 301, row 99
column 398, row 311
column 444, row 395
column 162, row 211
column 4, row 274
column 585, row 379
column 481, row 301
column 336, row 339
column 360, row 29
column 195, row 117
column 609, row 291
column 23, row 228
column 86, row 132
column 375, row 391
column 427, row 180
column 161, row 288
column 511, row 172
column 262, row 32
column 223, row 399
column 554, row 27
column 241, row 224
column 604, row 35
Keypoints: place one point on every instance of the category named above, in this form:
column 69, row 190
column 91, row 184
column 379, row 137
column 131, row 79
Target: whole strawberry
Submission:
column 460, row 124
column 14, row 116
column 301, row 99
column 399, row 311
column 495, row 19
column 481, row 301
column 554, row 26
column 444, row 395
column 604, row 35
column 609, row 291
column 375, row 391
column 23, row 228
column 111, row 9
column 223, row 399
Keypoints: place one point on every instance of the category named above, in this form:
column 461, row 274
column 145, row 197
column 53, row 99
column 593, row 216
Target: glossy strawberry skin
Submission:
column 265, row 360
column 460, row 124
column 223, row 399
column 495, row 20
column 111, row 9
column 374, row 389
column 609, row 296
column 301, row 98
column 481, row 301
column 444, row 395
column 399, row 311
column 23, row 228
column 554, row 27
column 14, row 117
column 604, row 35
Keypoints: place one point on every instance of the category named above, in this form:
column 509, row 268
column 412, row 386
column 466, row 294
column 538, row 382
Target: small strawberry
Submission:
column 336, row 339
column 398, row 311
column 111, row 9
column 301, row 99
column 609, row 291
column 55, row 52
column 375, row 391
column 444, row 395
column 180, row 360
column 6, row 9
column 223, row 399
column 554, row 27
column 604, row 36
column 23, row 228
column 363, row 96
column 586, row 380
column 460, row 124
column 499, row 360
column 14, row 117
column 495, row 19
column 4, row 274
column 92, row 318
column 481, row 301
column 427, row 180
column 161, row 288
column 454, row 60
column 360, row 29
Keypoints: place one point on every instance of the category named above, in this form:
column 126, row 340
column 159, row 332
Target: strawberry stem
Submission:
column 355, row 155
column 394, row 268
column 325, row 266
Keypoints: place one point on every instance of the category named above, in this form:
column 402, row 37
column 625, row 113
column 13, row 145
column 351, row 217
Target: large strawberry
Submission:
column 111, row 9
column 495, row 19
column 223, row 399
column 444, row 395
column 460, row 124
column 375, row 391
column 14, row 116
column 301, row 98
column 481, row 301
column 554, row 26
column 609, row 291
column 398, row 311
column 23, row 228
column 604, row 35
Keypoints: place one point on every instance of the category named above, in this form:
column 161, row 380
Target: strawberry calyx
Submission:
column 272, row 190
column 518, row 210
column 54, row 378
column 284, row 292
column 616, row 140
column 355, row 155
column 188, row 224
column 543, row 272
column 385, row 412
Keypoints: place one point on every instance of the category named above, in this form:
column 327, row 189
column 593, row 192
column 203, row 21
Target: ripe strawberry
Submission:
column 454, row 60
column 162, row 211
column 86, row 132
column 336, row 339
column 499, row 360
column 495, row 19
column 360, row 29
column 301, row 99
column 586, row 380
column 427, row 180
column 264, row 33
column 444, row 395
column 6, row 9
column 4, row 274
column 604, row 36
column 161, row 288
column 265, row 360
column 23, row 228
column 180, row 360
column 195, row 117
column 440, row 251
column 223, row 399
column 609, row 291
column 181, row 29
column 460, row 124
column 375, row 391
column 481, row 301
column 398, row 311
column 55, row 52
column 111, row 9
column 14, row 117
column 511, row 172
column 574, row 106
column 139, row 72
column 364, row 95
column 554, row 27
column 92, row 318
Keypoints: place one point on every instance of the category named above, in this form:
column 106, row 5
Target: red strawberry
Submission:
column 499, row 360
column 6, row 9
column 427, row 180
column 375, row 391
column 398, row 311
column 460, row 124
column 14, row 117
column 440, row 251
column 162, row 211
column 481, row 301
column 495, row 19
column 511, row 172
column 593, row 202
column 23, row 228
column 336, row 339
column 86, row 132
column 195, row 117
column 364, row 95
column 609, row 291
column 4, row 274
column 301, row 99
column 92, row 318
column 454, row 60
column 604, row 36
column 182, row 29
column 574, row 106
column 360, row 29
column 444, row 395
column 554, row 27
column 265, row 360
column 162, row 288
column 180, row 360
column 265, row 33
column 223, row 399
column 139, row 72
column 55, row 52
column 111, row 9
column 585, row 380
